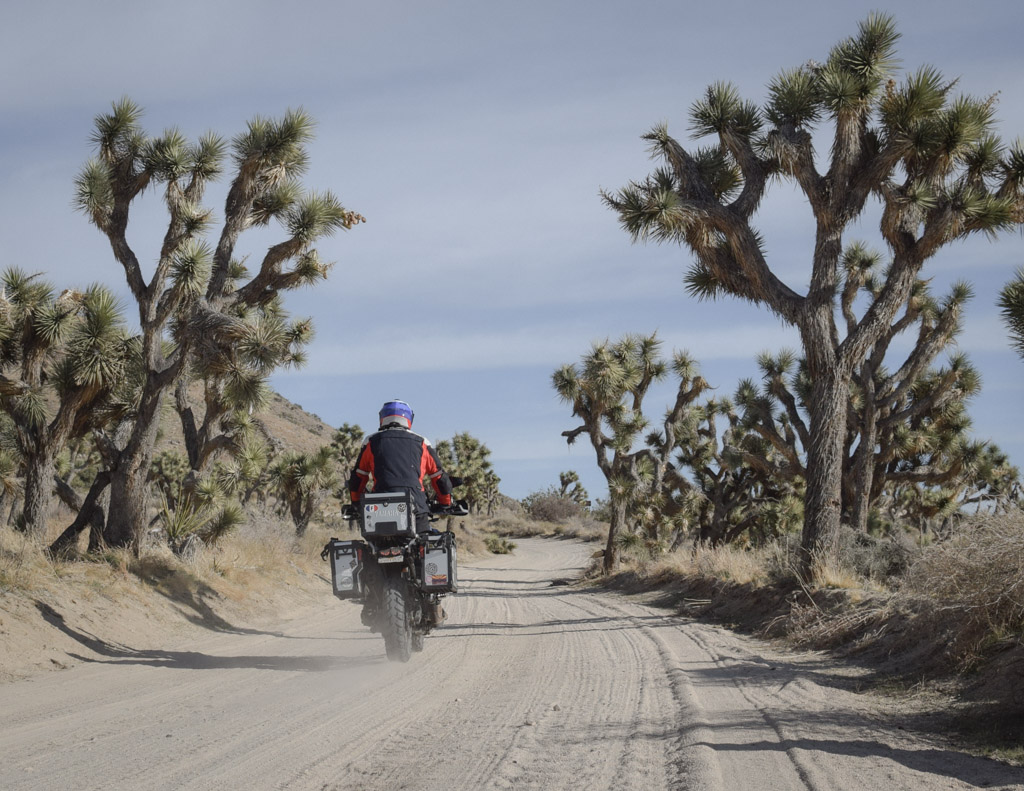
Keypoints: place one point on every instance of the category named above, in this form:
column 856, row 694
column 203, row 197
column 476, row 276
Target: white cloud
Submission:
column 383, row 351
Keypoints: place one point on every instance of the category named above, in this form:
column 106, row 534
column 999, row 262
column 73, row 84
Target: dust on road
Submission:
column 529, row 686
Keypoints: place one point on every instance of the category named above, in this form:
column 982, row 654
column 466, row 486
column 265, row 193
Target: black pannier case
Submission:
column 347, row 563
column 387, row 514
column 439, row 573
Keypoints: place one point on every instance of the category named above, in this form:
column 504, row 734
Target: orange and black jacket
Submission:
column 396, row 459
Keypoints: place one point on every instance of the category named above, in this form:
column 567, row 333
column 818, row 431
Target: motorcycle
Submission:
column 400, row 576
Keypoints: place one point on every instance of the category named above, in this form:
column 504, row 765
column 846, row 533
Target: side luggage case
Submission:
column 439, row 572
column 347, row 564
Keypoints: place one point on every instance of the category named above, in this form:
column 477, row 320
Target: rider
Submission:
column 396, row 459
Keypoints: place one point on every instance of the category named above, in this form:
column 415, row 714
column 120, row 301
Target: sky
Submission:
column 475, row 137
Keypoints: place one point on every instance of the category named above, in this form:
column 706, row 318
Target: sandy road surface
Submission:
column 529, row 686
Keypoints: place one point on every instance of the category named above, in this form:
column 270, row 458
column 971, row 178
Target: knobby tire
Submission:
column 397, row 628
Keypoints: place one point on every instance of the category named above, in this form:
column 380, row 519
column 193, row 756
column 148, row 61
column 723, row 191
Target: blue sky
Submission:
column 475, row 137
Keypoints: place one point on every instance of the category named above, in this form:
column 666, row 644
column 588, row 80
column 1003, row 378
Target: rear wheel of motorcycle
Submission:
column 417, row 641
column 398, row 636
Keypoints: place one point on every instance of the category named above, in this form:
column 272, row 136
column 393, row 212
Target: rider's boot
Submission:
column 436, row 613
column 369, row 616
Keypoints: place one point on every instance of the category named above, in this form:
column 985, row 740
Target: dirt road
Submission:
column 529, row 686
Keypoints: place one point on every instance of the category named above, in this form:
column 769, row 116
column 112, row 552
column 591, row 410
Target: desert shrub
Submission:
column 583, row 526
column 509, row 524
column 730, row 563
column 549, row 506
column 498, row 545
column 977, row 576
column 634, row 549
column 22, row 565
column 872, row 557
column 601, row 510
column 781, row 559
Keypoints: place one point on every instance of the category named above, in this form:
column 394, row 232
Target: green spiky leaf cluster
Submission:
column 1011, row 306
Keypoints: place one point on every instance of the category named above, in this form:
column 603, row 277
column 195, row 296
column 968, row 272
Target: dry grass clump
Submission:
column 517, row 525
column 847, row 564
column 959, row 603
column 725, row 563
column 13, row 557
column 974, row 580
column 583, row 527
column 469, row 540
column 26, row 569
column 551, row 507
column 823, row 622
column 880, row 559
column 23, row 565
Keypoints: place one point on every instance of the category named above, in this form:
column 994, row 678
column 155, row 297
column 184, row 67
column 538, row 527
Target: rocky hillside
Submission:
column 289, row 426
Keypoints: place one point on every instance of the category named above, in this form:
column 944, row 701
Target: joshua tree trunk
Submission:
column 822, row 503
column 302, row 511
column 864, row 464
column 38, row 485
column 611, row 550
column 129, row 483
column 90, row 514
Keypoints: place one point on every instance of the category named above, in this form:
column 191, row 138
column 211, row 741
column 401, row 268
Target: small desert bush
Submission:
column 518, row 526
column 583, row 526
column 499, row 546
column 515, row 525
column 511, row 524
column 23, row 565
column 879, row 559
column 976, row 580
column 549, row 506
column 725, row 562
column 733, row 564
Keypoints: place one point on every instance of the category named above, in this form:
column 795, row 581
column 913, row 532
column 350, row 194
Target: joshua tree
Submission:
column 906, row 429
column 466, row 457
column 300, row 481
column 606, row 391
column 197, row 289
column 930, row 157
column 742, row 483
column 569, row 487
column 347, row 442
column 72, row 347
column 490, row 491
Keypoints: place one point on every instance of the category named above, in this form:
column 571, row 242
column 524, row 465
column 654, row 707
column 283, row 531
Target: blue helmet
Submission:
column 396, row 413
